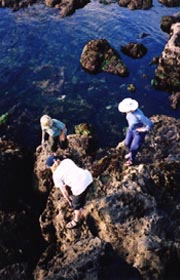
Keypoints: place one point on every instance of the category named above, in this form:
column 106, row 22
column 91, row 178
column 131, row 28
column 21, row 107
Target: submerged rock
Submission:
column 135, row 210
column 134, row 50
column 98, row 56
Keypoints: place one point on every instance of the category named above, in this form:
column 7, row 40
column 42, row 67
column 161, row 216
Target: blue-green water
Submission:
column 40, row 69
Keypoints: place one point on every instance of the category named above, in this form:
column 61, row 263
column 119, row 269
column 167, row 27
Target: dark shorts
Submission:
column 78, row 201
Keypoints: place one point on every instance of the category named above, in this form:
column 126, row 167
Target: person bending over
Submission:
column 73, row 182
column 56, row 131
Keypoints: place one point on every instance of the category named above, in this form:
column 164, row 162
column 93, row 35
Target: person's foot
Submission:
column 72, row 224
column 127, row 156
column 128, row 163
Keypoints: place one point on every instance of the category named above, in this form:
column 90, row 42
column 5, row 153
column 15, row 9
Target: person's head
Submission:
column 52, row 162
column 46, row 121
column 128, row 105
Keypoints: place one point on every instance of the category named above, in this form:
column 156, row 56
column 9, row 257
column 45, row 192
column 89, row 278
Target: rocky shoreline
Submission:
column 131, row 224
column 131, row 228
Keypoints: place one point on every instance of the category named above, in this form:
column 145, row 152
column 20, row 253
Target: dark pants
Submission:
column 78, row 201
column 55, row 142
column 133, row 141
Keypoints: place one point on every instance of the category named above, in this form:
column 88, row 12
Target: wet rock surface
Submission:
column 98, row 56
column 67, row 7
column 167, row 21
column 135, row 210
column 136, row 4
column 170, row 3
column 167, row 74
column 134, row 50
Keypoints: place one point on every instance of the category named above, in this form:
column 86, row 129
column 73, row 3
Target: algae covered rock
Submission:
column 98, row 56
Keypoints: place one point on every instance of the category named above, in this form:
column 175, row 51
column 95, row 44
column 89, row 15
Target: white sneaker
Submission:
column 127, row 156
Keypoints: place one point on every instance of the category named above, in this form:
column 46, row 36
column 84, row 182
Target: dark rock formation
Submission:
column 134, row 50
column 170, row 3
column 15, row 171
column 20, row 239
column 98, row 56
column 167, row 21
column 17, row 4
column 136, row 4
column 67, row 7
column 175, row 100
column 167, row 74
column 132, row 214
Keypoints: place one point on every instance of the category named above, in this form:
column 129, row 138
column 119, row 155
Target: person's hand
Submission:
column 141, row 129
column 62, row 137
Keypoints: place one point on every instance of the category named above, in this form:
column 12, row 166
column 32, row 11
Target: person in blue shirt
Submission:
column 138, row 127
column 56, row 131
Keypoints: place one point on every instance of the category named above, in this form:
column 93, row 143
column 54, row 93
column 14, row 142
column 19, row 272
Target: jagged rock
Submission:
column 17, row 4
column 135, row 209
column 90, row 258
column 167, row 74
column 20, row 238
column 136, row 4
column 82, row 147
column 67, row 7
column 167, row 21
column 98, row 56
column 175, row 100
column 18, row 271
column 170, row 3
column 19, row 244
column 14, row 164
column 134, row 50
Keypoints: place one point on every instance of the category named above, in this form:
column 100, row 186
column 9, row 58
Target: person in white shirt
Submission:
column 73, row 182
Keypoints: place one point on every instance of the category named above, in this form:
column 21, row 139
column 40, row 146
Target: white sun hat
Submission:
column 46, row 121
column 128, row 105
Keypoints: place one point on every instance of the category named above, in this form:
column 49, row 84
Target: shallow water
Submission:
column 40, row 68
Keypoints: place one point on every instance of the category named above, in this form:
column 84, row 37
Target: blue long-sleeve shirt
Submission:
column 138, row 119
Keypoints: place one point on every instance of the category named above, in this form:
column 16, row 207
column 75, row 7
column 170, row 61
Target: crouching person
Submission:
column 68, row 176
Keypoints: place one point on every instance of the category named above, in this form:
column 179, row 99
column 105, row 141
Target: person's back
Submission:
column 70, row 174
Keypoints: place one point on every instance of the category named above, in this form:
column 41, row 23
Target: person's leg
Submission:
column 78, row 203
column 138, row 140
column 128, row 141
column 77, row 215
column 53, row 141
column 128, row 138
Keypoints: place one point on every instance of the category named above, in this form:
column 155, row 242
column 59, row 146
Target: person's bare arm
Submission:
column 63, row 135
column 43, row 137
column 66, row 194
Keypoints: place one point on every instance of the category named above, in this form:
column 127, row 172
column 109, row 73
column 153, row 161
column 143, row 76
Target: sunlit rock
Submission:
column 98, row 56
column 135, row 209
column 167, row 74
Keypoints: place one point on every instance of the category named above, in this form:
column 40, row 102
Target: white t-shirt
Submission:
column 68, row 173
